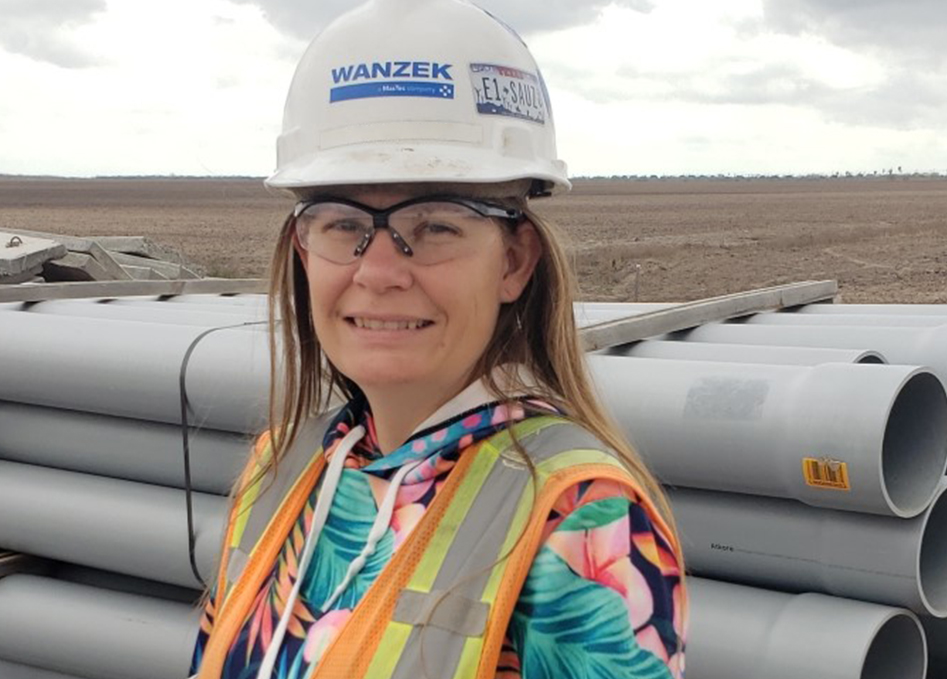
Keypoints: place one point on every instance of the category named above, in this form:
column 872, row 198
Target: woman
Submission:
column 469, row 511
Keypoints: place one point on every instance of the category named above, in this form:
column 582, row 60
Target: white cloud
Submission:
column 894, row 27
column 303, row 19
column 184, row 86
column 41, row 29
column 638, row 86
column 696, row 87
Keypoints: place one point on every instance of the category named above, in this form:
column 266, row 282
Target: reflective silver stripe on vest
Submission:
column 274, row 490
column 447, row 610
column 471, row 555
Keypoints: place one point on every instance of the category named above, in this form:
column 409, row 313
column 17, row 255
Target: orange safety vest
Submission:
column 442, row 605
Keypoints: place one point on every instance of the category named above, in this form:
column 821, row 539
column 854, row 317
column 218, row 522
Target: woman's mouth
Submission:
column 377, row 324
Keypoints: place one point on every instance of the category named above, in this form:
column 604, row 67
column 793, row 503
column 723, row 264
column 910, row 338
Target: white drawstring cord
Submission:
column 379, row 528
column 321, row 513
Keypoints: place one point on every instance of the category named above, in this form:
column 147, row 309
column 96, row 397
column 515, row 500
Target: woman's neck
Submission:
column 397, row 412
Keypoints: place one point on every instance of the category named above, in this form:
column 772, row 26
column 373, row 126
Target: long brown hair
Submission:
column 538, row 331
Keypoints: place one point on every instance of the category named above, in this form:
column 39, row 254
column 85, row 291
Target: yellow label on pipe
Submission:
column 826, row 473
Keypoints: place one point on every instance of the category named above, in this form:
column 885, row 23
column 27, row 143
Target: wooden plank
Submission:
column 21, row 253
column 683, row 316
column 205, row 286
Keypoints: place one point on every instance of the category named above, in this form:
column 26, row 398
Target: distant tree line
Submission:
column 887, row 173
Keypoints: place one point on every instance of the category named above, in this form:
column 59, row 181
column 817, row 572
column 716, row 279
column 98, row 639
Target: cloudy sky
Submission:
column 196, row 87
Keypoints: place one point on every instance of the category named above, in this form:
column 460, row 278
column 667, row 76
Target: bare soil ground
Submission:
column 884, row 240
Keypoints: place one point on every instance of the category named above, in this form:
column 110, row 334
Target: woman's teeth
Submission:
column 389, row 325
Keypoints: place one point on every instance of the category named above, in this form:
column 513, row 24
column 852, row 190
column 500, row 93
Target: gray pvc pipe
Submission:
column 589, row 313
column 155, row 312
column 120, row 526
column 117, row 582
column 255, row 311
column 94, row 633
column 9, row 670
column 892, row 309
column 222, row 301
column 781, row 544
column 135, row 450
column 621, row 308
column 748, row 428
column 243, row 299
column 739, row 632
column 742, row 353
column 912, row 346
column 848, row 320
column 936, row 630
column 130, row 369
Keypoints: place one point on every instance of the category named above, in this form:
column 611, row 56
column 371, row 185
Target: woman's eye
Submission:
column 341, row 226
column 438, row 229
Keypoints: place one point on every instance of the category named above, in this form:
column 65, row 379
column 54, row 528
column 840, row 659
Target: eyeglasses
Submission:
column 430, row 230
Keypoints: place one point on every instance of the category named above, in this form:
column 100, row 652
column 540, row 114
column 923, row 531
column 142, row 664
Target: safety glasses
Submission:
column 430, row 230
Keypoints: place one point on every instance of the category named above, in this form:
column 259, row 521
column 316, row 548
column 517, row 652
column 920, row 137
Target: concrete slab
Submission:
column 138, row 245
column 71, row 242
column 75, row 266
column 24, row 277
column 114, row 269
column 168, row 270
column 19, row 254
column 143, row 273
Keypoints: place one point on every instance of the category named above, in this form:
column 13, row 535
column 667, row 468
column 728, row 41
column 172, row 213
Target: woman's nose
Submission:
column 383, row 264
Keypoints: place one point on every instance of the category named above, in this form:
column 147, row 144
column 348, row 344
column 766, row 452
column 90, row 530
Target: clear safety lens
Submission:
column 428, row 232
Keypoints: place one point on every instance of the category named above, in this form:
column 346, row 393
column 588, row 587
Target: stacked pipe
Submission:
column 751, row 437
column 818, row 489
column 92, row 476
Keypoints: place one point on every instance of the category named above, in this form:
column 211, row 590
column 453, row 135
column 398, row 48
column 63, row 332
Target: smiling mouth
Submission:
column 373, row 324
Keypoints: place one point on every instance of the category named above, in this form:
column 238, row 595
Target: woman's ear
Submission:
column 300, row 252
column 523, row 250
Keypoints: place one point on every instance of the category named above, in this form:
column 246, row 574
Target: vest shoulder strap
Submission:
column 262, row 490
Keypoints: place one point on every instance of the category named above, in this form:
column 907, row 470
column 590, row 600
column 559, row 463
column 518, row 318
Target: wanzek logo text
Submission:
column 392, row 69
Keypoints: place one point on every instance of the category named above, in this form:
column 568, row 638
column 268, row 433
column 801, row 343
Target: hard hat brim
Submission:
column 406, row 163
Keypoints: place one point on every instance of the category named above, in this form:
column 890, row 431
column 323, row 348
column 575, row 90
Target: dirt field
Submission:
column 884, row 240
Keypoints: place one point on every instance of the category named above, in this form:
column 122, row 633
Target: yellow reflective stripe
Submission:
column 569, row 458
column 389, row 651
column 489, row 451
column 430, row 564
column 243, row 512
column 517, row 526
column 469, row 661
column 249, row 496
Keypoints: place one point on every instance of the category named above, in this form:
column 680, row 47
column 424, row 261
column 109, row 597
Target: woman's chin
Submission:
column 386, row 376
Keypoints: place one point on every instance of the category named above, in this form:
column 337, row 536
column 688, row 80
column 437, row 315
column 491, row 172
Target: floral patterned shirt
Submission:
column 603, row 597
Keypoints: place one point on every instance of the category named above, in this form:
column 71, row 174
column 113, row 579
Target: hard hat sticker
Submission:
column 505, row 91
column 391, row 79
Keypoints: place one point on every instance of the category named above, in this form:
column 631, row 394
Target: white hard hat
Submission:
column 417, row 91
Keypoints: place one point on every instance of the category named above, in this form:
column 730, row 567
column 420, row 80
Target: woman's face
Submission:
column 391, row 324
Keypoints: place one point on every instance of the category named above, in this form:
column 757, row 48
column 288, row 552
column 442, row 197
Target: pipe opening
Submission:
column 898, row 651
column 871, row 358
column 914, row 452
column 932, row 578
